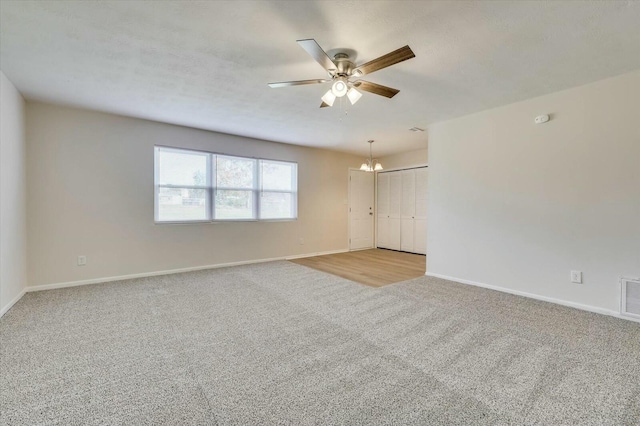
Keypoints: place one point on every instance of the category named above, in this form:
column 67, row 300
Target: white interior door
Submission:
column 360, row 210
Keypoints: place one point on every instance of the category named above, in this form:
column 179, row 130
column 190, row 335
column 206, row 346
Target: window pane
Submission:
column 182, row 168
column 278, row 176
column 182, row 204
column 278, row 205
column 234, row 172
column 234, row 204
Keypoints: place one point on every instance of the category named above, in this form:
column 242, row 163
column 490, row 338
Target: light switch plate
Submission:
column 576, row 277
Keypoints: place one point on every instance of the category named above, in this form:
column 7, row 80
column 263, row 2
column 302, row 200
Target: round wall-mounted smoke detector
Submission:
column 542, row 119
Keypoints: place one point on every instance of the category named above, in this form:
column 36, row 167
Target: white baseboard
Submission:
column 9, row 305
column 575, row 305
column 320, row 253
column 171, row 271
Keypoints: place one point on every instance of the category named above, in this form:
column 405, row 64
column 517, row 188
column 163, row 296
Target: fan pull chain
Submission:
column 342, row 107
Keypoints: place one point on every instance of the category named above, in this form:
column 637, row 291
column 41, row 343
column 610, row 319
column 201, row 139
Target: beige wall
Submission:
column 405, row 159
column 13, row 201
column 91, row 193
column 518, row 205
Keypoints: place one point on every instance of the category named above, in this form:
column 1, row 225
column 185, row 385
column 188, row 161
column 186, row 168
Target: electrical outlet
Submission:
column 82, row 260
column 576, row 277
column 301, row 241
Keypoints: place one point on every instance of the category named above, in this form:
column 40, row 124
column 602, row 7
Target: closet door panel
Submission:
column 420, row 236
column 407, row 235
column 395, row 193
column 383, row 194
column 383, row 232
column 408, row 202
column 394, row 233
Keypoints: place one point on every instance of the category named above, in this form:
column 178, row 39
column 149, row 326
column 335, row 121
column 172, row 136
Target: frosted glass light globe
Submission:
column 339, row 88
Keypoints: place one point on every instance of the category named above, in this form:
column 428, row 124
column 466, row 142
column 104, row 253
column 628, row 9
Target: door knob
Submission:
column 370, row 214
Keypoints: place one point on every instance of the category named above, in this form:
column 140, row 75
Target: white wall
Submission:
column 91, row 189
column 519, row 205
column 405, row 159
column 13, row 201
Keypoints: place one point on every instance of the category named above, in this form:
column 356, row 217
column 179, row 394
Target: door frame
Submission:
column 374, row 207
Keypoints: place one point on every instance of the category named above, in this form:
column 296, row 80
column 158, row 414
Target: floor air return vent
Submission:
column 630, row 304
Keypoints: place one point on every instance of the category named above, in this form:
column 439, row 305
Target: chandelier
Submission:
column 371, row 164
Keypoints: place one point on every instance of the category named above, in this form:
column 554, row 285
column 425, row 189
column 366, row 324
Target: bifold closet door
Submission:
column 401, row 214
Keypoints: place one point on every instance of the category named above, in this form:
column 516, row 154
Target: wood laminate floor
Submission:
column 375, row 267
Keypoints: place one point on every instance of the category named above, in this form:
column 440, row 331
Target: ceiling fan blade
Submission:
column 324, row 105
column 297, row 83
column 378, row 89
column 384, row 61
column 313, row 48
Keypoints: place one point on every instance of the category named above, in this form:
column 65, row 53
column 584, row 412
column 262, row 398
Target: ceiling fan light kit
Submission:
column 339, row 88
column 353, row 95
column 329, row 97
column 341, row 69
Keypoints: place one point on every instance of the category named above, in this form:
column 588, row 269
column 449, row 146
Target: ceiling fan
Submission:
column 342, row 70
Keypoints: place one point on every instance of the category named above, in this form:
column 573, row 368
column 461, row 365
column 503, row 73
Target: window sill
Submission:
column 213, row 222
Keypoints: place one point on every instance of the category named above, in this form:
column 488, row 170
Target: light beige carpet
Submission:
column 280, row 343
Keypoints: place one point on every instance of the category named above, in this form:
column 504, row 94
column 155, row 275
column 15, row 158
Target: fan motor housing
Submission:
column 345, row 66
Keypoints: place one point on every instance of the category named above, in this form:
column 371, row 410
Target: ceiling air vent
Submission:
column 416, row 129
column 630, row 303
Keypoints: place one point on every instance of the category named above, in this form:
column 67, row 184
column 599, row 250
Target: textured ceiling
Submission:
column 207, row 64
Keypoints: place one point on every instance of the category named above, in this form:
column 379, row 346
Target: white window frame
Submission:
column 211, row 187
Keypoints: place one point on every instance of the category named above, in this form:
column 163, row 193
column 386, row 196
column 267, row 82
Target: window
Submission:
column 235, row 188
column 182, row 188
column 196, row 186
column 278, row 197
